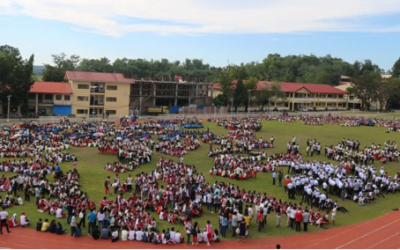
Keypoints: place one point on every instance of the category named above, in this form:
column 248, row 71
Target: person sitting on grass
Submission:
column 60, row 230
column 24, row 221
column 114, row 234
column 45, row 225
column 39, row 225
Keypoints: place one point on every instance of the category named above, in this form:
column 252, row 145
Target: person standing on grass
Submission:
column 37, row 196
column 265, row 213
column 107, row 185
column 92, row 221
column 242, row 231
column 129, row 181
column 100, row 218
column 82, row 216
column 73, row 226
column 280, row 177
column 195, row 231
column 299, row 219
column 260, row 217
column 292, row 216
column 334, row 215
column 188, row 228
column 209, row 230
column 273, row 178
column 234, row 223
column 306, row 219
column 278, row 216
column 3, row 220
column 223, row 224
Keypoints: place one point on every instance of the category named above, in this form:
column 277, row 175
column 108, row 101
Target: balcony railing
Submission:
column 96, row 103
column 45, row 102
column 96, row 90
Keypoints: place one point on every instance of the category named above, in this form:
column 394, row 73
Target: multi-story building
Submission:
column 99, row 93
column 305, row 96
column 84, row 94
column 148, row 93
column 48, row 98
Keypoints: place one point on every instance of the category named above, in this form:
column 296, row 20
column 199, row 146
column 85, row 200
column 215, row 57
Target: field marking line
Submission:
column 334, row 236
column 383, row 240
column 365, row 235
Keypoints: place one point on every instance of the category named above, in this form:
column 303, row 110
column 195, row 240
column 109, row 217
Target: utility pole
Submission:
column 8, row 112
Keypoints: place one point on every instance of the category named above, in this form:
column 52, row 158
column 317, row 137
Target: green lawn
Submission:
column 91, row 167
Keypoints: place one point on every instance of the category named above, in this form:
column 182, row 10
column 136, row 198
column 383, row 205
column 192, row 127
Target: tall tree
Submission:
column 15, row 76
column 272, row 93
column 239, row 94
column 396, row 69
column 366, row 88
column 62, row 63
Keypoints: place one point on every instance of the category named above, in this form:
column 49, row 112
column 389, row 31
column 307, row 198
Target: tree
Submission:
column 262, row 97
column 250, row 86
column 272, row 93
column 220, row 100
column 386, row 91
column 239, row 94
column 53, row 74
column 226, row 85
column 396, row 69
column 15, row 76
column 56, row 72
column 366, row 87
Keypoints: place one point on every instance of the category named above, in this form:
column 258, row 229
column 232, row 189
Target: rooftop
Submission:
column 62, row 88
column 97, row 77
column 293, row 87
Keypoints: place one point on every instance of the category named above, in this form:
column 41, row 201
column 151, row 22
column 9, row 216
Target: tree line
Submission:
column 236, row 81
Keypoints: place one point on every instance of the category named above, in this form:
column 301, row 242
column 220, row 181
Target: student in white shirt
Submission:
column 114, row 235
column 131, row 234
column 24, row 221
column 172, row 235
column 124, row 234
column 59, row 213
column 139, row 235
column 178, row 237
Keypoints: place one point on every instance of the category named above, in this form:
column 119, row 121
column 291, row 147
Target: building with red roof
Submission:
column 49, row 98
column 307, row 96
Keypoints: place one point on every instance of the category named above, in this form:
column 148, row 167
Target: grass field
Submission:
column 91, row 167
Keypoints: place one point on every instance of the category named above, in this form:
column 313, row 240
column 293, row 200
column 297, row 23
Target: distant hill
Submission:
column 38, row 70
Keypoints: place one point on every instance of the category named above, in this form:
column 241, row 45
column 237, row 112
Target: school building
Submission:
column 83, row 94
column 306, row 96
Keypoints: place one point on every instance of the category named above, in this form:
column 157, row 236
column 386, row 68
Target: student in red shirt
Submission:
column 260, row 217
column 299, row 219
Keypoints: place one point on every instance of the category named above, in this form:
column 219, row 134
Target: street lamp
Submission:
column 248, row 104
column 8, row 111
column 232, row 105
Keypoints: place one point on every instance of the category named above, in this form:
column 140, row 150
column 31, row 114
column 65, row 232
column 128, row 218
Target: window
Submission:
column 81, row 111
column 58, row 97
column 111, row 99
column 83, row 98
column 340, row 96
column 330, row 96
column 112, row 87
column 111, row 112
column 83, row 86
column 48, row 97
column 67, row 98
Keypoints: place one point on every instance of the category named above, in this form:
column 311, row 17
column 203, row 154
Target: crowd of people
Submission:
column 175, row 192
column 349, row 150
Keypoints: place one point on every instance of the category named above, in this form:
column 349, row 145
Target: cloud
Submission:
column 118, row 17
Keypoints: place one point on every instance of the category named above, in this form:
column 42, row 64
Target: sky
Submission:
column 217, row 31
